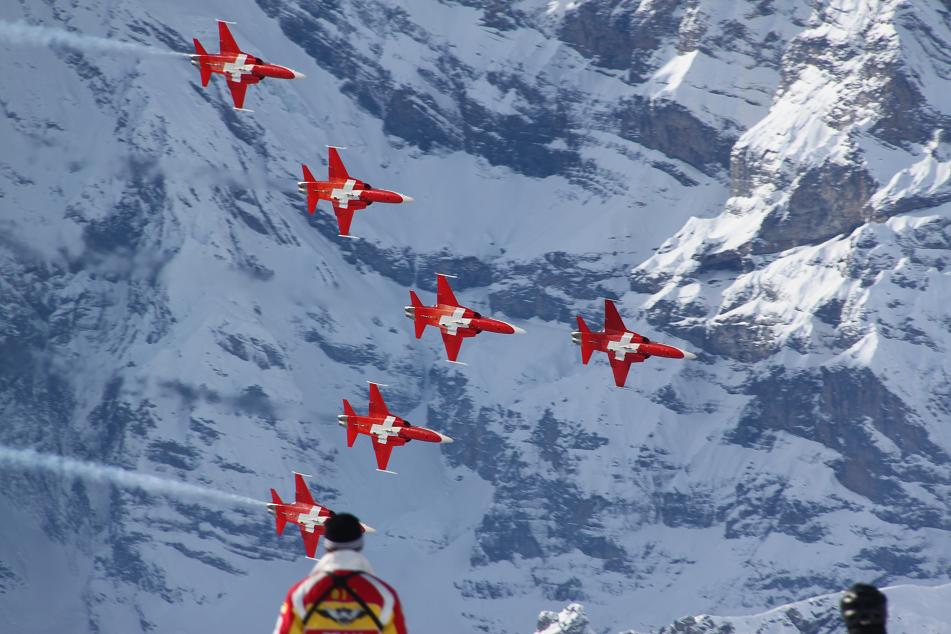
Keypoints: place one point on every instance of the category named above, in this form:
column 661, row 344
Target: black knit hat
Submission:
column 864, row 609
column 343, row 531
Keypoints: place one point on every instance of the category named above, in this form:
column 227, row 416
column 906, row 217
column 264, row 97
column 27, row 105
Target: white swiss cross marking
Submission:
column 237, row 68
column 624, row 346
column 384, row 430
column 343, row 195
column 452, row 323
column 311, row 519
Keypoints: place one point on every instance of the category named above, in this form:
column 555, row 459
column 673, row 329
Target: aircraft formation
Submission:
column 454, row 320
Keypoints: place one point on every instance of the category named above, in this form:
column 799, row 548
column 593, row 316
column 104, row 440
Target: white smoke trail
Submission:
column 30, row 459
column 30, row 34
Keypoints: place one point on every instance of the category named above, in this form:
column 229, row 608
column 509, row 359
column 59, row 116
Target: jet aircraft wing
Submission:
column 301, row 492
column 620, row 368
column 310, row 540
column 612, row 319
column 345, row 214
column 453, row 343
column 335, row 168
column 444, row 294
column 377, row 406
column 383, row 451
column 238, row 90
column 225, row 39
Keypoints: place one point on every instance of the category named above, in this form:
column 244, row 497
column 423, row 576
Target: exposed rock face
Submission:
column 571, row 620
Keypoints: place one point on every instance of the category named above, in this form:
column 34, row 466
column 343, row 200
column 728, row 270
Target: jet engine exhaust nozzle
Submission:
column 410, row 311
column 342, row 420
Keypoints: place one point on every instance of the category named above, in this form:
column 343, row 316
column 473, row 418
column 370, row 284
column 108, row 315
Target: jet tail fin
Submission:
column 280, row 519
column 351, row 427
column 204, row 69
column 586, row 346
column 420, row 324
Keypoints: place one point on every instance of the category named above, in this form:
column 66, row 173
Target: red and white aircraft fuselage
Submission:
column 622, row 346
column 309, row 516
column 239, row 68
column 347, row 195
column 384, row 429
column 454, row 321
column 304, row 512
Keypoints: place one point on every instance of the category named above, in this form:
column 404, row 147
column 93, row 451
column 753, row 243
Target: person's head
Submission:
column 343, row 532
column 864, row 609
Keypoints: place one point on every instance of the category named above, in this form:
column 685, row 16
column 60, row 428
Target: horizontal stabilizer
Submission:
column 351, row 427
column 587, row 347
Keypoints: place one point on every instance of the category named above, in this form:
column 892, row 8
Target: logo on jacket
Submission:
column 342, row 615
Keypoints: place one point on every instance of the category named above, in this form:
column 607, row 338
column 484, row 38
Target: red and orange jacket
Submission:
column 341, row 596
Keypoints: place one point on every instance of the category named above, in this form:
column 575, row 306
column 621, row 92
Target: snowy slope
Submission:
column 774, row 175
column 911, row 610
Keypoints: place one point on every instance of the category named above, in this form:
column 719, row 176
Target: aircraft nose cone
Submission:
column 689, row 355
column 298, row 75
column 518, row 331
column 407, row 199
column 444, row 439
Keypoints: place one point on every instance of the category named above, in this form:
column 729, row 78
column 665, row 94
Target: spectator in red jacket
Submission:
column 341, row 595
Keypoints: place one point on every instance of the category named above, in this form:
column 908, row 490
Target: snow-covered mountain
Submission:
column 765, row 183
column 911, row 610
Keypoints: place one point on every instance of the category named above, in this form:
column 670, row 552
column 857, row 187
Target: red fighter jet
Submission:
column 307, row 514
column 347, row 195
column 456, row 322
column 240, row 69
column 623, row 346
column 384, row 429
